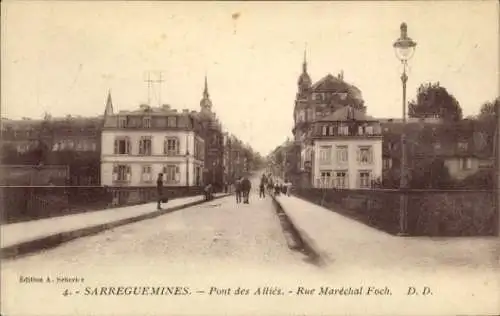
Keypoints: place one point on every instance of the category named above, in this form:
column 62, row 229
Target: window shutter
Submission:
column 129, row 173
column 141, row 147
column 116, row 147
column 129, row 146
column 177, row 147
column 115, row 173
column 360, row 130
column 177, row 174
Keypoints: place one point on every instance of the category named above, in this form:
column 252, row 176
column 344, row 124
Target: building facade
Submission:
column 73, row 142
column 138, row 145
column 347, row 147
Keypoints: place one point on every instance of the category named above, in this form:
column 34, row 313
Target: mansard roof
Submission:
column 348, row 113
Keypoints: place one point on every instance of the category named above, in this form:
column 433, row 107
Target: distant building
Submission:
column 68, row 141
column 214, row 170
column 466, row 147
column 138, row 145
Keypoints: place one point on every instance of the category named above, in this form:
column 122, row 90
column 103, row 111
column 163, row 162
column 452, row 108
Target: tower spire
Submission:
column 109, row 105
column 304, row 64
column 205, row 91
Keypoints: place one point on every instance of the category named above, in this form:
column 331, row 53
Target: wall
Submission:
column 353, row 165
column 430, row 212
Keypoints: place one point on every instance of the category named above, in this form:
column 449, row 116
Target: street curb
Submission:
column 308, row 245
column 51, row 241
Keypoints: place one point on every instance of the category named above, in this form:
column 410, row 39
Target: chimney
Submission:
column 185, row 111
column 166, row 107
column 144, row 107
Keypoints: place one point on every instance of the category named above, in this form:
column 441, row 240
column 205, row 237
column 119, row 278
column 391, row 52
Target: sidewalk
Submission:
column 16, row 238
column 342, row 240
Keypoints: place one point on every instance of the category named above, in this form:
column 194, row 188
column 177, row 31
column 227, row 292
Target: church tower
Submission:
column 304, row 82
column 206, row 103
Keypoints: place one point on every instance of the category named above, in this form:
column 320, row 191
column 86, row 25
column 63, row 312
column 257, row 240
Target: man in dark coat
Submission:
column 159, row 189
column 246, row 186
column 237, row 190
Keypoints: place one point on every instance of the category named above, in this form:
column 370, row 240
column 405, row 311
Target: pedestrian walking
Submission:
column 277, row 189
column 159, row 190
column 208, row 192
column 262, row 190
column 288, row 187
column 237, row 189
column 246, row 186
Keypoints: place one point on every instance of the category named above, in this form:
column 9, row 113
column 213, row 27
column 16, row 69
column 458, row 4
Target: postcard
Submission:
column 250, row 158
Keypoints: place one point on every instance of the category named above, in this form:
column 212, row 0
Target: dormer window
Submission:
column 369, row 130
column 146, row 122
column 343, row 130
column 172, row 121
column 122, row 122
column 463, row 145
column 324, row 130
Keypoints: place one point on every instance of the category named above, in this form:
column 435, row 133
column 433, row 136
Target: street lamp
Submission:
column 404, row 48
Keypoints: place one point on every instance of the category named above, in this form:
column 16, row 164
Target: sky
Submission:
column 63, row 57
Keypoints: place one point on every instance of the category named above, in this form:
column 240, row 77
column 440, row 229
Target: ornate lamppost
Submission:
column 404, row 47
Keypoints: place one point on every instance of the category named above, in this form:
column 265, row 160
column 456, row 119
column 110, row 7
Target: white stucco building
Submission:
column 138, row 145
column 346, row 150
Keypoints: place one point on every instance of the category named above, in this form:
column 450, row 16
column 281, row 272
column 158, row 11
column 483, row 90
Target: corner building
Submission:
column 340, row 146
column 137, row 145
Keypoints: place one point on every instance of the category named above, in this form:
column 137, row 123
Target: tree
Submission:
column 430, row 173
column 434, row 100
column 489, row 110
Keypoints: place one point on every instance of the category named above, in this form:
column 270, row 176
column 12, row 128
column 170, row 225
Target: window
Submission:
column 387, row 163
column 365, row 155
column 145, row 145
column 465, row 163
column 324, row 130
column 325, row 155
column 342, row 154
column 171, row 146
column 369, row 130
column 364, row 179
column 341, row 180
column 330, row 130
column 122, row 173
column 172, row 121
column 147, row 173
column 146, row 122
column 462, row 145
column 122, row 122
column 343, row 130
column 171, row 174
column 325, row 178
column 122, row 146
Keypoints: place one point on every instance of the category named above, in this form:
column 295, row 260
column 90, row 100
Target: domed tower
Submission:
column 206, row 103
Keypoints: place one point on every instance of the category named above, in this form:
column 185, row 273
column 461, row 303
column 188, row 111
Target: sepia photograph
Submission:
column 249, row 158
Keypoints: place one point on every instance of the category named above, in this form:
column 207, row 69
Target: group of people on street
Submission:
column 242, row 188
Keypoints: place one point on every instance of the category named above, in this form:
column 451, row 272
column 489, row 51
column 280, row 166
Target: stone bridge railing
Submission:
column 429, row 212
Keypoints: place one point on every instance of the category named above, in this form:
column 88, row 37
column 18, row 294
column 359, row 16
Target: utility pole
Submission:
column 151, row 82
